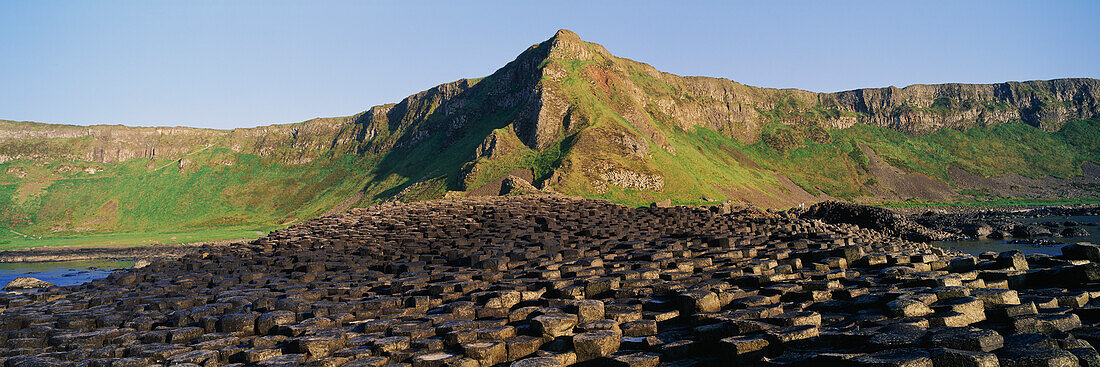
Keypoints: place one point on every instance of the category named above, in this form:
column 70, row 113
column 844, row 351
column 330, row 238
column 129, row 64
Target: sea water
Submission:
column 1036, row 245
column 61, row 272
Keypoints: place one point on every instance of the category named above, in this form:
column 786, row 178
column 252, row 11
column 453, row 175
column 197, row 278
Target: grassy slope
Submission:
column 142, row 199
column 707, row 164
column 695, row 173
column 832, row 167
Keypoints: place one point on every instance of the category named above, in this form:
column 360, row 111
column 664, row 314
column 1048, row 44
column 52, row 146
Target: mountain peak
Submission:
column 565, row 35
column 568, row 45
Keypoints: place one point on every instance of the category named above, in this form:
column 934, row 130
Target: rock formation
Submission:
column 547, row 281
column 26, row 283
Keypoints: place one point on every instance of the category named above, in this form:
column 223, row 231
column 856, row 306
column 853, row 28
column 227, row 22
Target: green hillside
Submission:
column 572, row 119
column 244, row 198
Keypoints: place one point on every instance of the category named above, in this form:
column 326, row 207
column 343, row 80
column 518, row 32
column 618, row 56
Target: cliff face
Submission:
column 927, row 108
column 571, row 117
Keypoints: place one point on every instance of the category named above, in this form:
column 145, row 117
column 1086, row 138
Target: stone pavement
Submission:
column 544, row 281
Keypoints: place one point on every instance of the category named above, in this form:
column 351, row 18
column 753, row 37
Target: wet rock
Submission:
column 874, row 218
column 1082, row 251
column 1075, row 232
column 1030, row 230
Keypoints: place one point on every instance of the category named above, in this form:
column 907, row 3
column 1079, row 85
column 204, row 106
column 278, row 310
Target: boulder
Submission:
column 1030, row 230
column 1081, row 251
column 977, row 230
column 27, row 283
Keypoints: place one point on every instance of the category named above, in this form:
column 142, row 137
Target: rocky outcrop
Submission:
column 927, row 108
column 512, row 186
column 627, row 179
column 27, row 283
column 874, row 218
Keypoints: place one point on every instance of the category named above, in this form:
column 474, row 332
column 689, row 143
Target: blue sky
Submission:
column 227, row 64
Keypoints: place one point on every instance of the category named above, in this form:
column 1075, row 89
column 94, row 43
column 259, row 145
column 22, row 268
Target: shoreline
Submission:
column 983, row 210
column 154, row 251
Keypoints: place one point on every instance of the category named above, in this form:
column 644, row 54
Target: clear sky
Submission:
column 229, row 64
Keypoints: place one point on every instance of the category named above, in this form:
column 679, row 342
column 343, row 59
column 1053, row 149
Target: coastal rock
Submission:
column 1030, row 230
column 27, row 283
column 1082, row 251
column 542, row 280
column 874, row 218
column 1075, row 232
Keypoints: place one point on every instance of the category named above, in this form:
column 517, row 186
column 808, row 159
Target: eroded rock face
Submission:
column 625, row 178
column 927, row 108
column 547, row 281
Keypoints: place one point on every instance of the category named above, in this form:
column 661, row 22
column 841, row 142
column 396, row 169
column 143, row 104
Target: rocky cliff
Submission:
column 927, row 108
